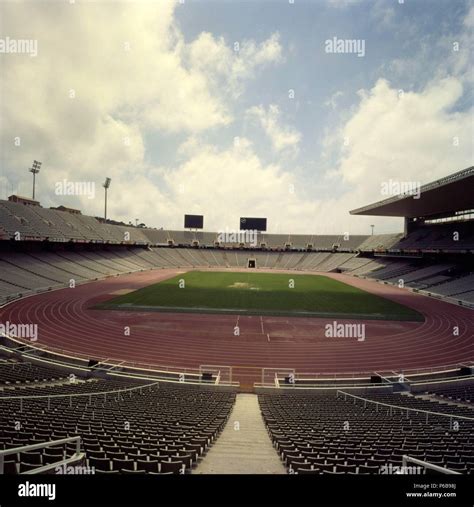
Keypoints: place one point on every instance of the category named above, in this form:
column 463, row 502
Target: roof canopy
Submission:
column 442, row 197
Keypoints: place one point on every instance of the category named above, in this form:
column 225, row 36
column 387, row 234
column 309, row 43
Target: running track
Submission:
column 65, row 321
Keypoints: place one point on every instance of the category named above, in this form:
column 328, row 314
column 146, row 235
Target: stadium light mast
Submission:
column 106, row 186
column 35, row 170
column 372, row 229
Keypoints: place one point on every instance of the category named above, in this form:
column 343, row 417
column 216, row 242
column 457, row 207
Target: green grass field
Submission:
column 261, row 294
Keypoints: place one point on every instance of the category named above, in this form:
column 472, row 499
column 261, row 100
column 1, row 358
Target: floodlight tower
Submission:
column 372, row 229
column 106, row 186
column 35, row 170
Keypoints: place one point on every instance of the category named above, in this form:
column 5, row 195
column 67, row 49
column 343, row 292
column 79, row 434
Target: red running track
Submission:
column 66, row 321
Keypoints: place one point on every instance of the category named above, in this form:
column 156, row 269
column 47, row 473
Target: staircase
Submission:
column 244, row 446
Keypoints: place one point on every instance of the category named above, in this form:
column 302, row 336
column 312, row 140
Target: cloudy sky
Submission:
column 235, row 108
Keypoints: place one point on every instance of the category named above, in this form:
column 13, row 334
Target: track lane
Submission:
column 66, row 321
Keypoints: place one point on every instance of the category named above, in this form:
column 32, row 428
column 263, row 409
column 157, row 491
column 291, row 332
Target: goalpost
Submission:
column 221, row 374
column 276, row 376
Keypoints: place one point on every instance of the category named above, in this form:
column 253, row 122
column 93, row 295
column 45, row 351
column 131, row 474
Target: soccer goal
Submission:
column 217, row 374
column 278, row 376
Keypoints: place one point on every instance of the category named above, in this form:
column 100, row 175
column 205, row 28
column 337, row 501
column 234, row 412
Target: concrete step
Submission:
column 244, row 446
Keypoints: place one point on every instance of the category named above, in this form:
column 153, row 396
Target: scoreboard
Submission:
column 248, row 223
column 193, row 221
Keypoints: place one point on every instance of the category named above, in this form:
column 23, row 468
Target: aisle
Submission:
column 244, row 446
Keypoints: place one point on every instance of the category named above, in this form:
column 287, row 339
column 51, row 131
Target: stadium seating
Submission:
column 39, row 270
column 439, row 237
column 15, row 372
column 124, row 426
column 16, row 218
column 409, row 401
column 379, row 242
column 36, row 222
column 326, row 434
column 454, row 391
column 138, row 426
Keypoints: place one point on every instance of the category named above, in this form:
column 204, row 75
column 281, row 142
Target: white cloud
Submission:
column 230, row 65
column 163, row 86
column 383, row 14
column 413, row 135
column 106, row 75
column 282, row 137
column 343, row 3
column 469, row 18
column 332, row 101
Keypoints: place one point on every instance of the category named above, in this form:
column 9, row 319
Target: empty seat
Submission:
column 99, row 463
column 148, row 466
column 175, row 467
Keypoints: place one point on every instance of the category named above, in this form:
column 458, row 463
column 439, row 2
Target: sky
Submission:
column 235, row 108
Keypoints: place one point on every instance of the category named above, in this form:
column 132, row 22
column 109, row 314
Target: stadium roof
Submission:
column 441, row 197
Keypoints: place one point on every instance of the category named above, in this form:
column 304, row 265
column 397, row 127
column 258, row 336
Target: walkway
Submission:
column 244, row 446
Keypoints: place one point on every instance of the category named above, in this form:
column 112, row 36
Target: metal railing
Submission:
column 108, row 361
column 75, row 395
column 443, row 381
column 361, row 375
column 405, row 409
column 78, row 455
column 153, row 371
column 426, row 464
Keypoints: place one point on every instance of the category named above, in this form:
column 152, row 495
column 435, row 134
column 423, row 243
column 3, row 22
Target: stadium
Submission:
column 182, row 311
column 132, row 351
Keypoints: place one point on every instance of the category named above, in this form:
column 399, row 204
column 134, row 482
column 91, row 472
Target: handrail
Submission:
column 164, row 380
column 350, row 383
column 389, row 374
column 46, row 468
column 465, row 378
column 330, row 387
column 195, row 371
column 100, row 393
column 41, row 445
column 161, row 369
column 406, row 408
column 106, row 361
column 426, row 464
column 384, row 378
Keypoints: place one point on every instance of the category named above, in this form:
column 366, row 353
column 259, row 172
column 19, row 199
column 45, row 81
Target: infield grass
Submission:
column 254, row 293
